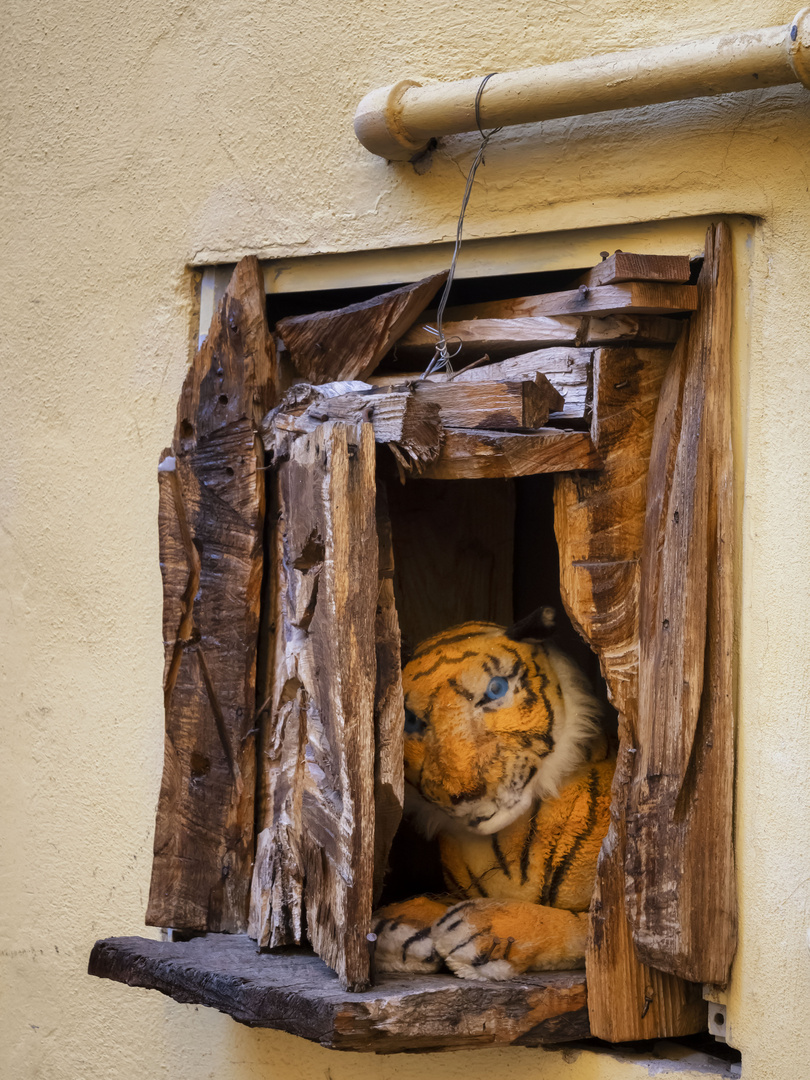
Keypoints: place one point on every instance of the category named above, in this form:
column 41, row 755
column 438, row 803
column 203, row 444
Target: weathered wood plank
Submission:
column 297, row 993
column 625, row 298
column 473, row 455
column 210, row 519
column 627, row 266
column 316, row 858
column 681, row 895
column 389, row 705
column 349, row 343
column 396, row 417
column 599, row 521
column 567, row 369
column 491, row 406
column 498, row 337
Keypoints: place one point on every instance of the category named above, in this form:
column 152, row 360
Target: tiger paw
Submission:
column 404, row 935
column 492, row 939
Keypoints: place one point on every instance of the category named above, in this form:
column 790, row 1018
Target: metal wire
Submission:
column 442, row 356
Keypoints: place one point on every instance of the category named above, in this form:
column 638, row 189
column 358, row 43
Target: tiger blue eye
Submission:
column 497, row 688
column 413, row 725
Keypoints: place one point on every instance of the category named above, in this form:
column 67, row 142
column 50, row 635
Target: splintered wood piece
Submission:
column 472, row 454
column 389, row 705
column 599, row 522
column 298, row 994
column 396, row 417
column 626, row 266
column 211, row 513
column 350, row 342
column 680, row 857
column 454, row 550
column 631, row 298
column 315, row 860
column 568, row 371
column 491, row 406
column 499, row 336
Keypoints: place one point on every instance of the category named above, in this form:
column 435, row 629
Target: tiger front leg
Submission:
column 499, row 939
column 404, row 934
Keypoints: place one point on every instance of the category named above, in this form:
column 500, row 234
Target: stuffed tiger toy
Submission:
column 505, row 760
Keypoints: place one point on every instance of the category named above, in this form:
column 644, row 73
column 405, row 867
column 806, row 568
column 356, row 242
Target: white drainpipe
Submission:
column 398, row 121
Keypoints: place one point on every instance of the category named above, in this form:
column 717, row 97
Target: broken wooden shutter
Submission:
column 315, row 855
column 659, row 531
column 211, row 519
column 681, row 894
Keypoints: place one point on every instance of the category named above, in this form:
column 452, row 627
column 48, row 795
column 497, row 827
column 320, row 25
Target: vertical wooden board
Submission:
column 211, row 514
column 315, row 858
column 680, row 862
column 453, row 549
column 389, row 705
column 599, row 521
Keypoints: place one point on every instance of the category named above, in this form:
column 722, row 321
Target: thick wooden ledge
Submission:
column 299, row 994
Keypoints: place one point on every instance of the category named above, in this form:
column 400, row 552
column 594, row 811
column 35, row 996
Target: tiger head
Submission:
column 492, row 723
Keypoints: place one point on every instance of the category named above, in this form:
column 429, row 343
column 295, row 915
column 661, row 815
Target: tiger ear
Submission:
column 538, row 624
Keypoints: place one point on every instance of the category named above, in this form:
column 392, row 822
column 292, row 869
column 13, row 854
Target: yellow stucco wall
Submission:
column 140, row 139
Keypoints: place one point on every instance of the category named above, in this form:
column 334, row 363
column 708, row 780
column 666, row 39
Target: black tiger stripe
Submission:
column 549, row 894
column 526, row 850
column 499, row 855
column 444, row 660
column 420, row 935
column 454, row 686
column 454, row 910
column 472, row 937
column 453, row 884
column 475, row 882
column 484, row 957
column 439, row 640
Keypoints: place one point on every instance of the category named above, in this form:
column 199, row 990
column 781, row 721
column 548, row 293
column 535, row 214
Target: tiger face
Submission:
column 491, row 724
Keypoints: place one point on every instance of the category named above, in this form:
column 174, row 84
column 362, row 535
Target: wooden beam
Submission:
column 473, row 455
column 299, row 995
column 491, row 406
column 210, row 517
column 501, row 336
column 349, row 343
column 627, row 266
column 599, row 522
column 568, row 370
column 396, row 417
column 626, row 298
column 315, row 862
column 680, row 857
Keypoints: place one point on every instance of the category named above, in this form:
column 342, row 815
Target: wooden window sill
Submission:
column 295, row 992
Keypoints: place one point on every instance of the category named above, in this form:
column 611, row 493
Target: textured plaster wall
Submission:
column 138, row 139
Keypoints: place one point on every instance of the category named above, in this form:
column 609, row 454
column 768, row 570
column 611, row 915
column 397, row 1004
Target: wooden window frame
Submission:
column 668, row 419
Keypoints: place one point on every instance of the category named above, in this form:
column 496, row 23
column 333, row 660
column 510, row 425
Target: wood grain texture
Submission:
column 453, row 548
column 681, row 895
column 413, row 424
column 504, row 335
column 211, row 514
column 389, row 705
column 350, row 342
column 297, row 993
column 567, row 369
column 315, row 858
column 599, row 521
column 491, row 406
column 628, row 298
column 627, row 266
column 476, row 455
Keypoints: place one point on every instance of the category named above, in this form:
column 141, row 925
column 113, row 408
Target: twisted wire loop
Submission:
column 442, row 356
